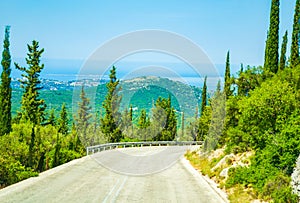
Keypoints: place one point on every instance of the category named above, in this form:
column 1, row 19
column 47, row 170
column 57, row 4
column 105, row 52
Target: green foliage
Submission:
column 165, row 117
column 32, row 106
column 14, row 157
column 282, row 61
column 215, row 132
column 267, row 181
column 110, row 122
column 182, row 125
column 149, row 89
column 63, row 121
column 272, row 43
column 83, row 118
column 51, row 119
column 12, row 171
column 248, row 80
column 227, row 78
column 266, row 120
column 204, row 96
column 275, row 101
column 126, row 125
column 143, row 121
column 143, row 124
column 5, row 87
column 204, row 123
column 295, row 37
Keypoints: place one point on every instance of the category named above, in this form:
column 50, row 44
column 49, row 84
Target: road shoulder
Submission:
column 205, row 181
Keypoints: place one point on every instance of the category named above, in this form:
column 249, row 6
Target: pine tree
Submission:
column 295, row 36
column 204, row 97
column 227, row 78
column 282, row 61
column 110, row 122
column 83, row 116
column 63, row 121
column 51, row 119
column 32, row 106
column 272, row 43
column 75, row 143
column 5, row 88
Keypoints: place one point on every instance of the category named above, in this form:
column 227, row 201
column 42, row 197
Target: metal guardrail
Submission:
column 108, row 146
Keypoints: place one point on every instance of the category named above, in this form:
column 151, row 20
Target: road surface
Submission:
column 95, row 179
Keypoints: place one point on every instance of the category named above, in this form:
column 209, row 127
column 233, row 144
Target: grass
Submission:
column 239, row 194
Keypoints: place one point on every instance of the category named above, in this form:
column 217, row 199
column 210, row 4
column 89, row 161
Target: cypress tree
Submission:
column 5, row 88
column 241, row 86
column 32, row 106
column 227, row 79
column 56, row 156
column 63, row 121
column 130, row 113
column 204, row 98
column 182, row 124
column 295, row 37
column 218, row 89
column 282, row 60
column 272, row 43
column 109, row 124
column 142, row 123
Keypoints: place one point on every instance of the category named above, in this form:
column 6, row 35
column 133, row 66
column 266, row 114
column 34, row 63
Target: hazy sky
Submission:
column 73, row 29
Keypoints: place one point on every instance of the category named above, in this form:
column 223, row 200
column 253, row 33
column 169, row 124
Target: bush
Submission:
column 279, row 189
column 12, row 171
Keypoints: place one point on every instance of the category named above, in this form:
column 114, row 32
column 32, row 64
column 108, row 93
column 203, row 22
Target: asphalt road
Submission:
column 148, row 174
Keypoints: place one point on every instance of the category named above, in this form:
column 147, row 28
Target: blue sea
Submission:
column 67, row 70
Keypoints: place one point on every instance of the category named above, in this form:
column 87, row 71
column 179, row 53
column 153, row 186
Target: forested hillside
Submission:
column 141, row 93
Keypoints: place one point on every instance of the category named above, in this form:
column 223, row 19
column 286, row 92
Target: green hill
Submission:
column 141, row 93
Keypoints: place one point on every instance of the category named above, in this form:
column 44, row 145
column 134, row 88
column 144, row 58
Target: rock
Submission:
column 296, row 178
column 224, row 172
column 223, row 161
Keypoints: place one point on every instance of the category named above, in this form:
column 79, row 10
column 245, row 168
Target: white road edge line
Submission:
column 120, row 188
column 110, row 192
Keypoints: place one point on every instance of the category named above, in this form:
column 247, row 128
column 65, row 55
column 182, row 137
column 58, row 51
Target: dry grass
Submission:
column 204, row 165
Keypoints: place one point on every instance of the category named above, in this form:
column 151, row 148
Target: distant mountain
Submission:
column 140, row 92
